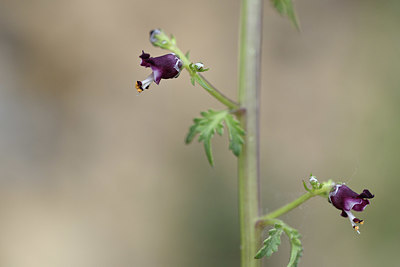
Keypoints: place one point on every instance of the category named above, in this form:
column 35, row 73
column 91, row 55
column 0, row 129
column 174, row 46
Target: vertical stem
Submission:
column 248, row 162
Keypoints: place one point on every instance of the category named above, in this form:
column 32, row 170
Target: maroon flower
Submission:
column 345, row 199
column 164, row 67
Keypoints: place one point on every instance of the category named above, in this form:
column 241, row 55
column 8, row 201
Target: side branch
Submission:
column 160, row 39
column 270, row 217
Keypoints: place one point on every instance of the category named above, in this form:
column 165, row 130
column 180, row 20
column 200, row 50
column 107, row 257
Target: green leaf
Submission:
column 206, row 127
column 296, row 247
column 210, row 123
column 187, row 54
column 285, row 8
column 236, row 134
column 193, row 80
column 272, row 243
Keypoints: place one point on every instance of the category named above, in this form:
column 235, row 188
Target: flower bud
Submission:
column 160, row 39
column 197, row 67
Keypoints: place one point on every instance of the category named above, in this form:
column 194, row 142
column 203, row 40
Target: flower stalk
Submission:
column 269, row 218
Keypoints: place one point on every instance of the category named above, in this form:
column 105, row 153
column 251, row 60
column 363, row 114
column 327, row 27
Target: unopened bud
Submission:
column 159, row 38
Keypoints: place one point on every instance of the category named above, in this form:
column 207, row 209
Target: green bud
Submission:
column 314, row 182
column 200, row 67
column 160, row 39
column 197, row 67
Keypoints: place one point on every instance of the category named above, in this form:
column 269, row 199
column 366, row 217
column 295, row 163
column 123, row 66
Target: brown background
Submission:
column 93, row 175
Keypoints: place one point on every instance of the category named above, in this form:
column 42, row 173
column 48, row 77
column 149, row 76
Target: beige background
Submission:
column 93, row 175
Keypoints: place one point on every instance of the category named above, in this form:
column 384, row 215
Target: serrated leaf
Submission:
column 285, row 8
column 207, row 149
column 271, row 244
column 296, row 247
column 220, row 130
column 236, row 134
column 206, row 127
column 273, row 241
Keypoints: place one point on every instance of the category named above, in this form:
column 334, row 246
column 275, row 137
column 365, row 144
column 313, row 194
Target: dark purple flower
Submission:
column 345, row 199
column 164, row 67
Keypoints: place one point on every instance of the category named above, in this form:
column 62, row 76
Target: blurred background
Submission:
column 94, row 175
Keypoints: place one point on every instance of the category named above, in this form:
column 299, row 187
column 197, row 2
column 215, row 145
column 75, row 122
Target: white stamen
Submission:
column 351, row 218
column 146, row 82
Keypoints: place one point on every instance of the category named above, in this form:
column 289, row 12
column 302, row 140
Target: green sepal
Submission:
column 306, row 187
column 285, row 8
column 272, row 243
column 203, row 70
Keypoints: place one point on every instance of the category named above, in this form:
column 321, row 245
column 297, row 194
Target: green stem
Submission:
column 248, row 161
column 214, row 92
column 269, row 218
column 202, row 81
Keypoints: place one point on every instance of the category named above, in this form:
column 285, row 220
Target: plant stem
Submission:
column 269, row 218
column 248, row 161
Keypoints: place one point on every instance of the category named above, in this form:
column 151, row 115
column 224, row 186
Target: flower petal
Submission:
column 366, row 194
column 345, row 199
column 361, row 206
column 164, row 67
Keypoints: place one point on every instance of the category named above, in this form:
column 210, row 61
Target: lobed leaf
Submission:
column 210, row 123
column 272, row 243
column 274, row 240
column 296, row 248
column 206, row 127
column 236, row 134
